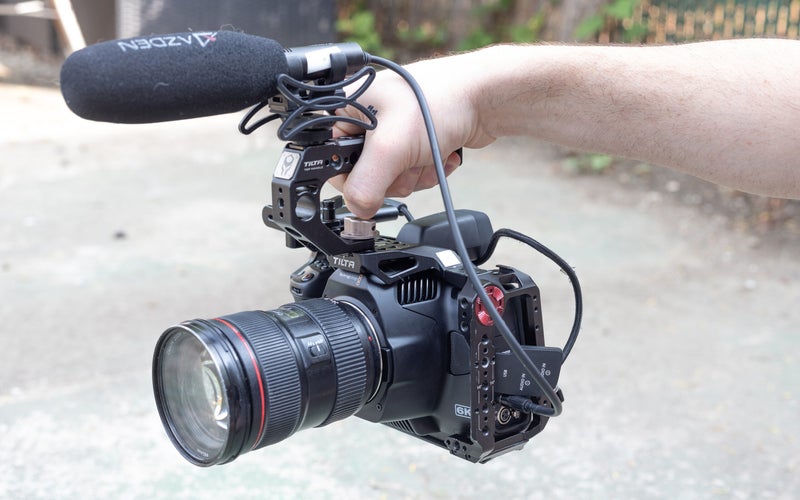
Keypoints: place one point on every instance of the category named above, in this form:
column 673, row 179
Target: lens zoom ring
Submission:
column 348, row 355
column 281, row 374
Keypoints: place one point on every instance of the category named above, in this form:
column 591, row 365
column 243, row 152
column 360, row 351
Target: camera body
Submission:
column 390, row 329
column 444, row 365
column 397, row 330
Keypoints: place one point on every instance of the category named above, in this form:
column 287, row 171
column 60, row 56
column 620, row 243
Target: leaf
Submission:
column 636, row 33
column 599, row 162
column 589, row 27
column 620, row 9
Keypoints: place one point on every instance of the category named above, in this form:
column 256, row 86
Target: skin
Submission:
column 725, row 111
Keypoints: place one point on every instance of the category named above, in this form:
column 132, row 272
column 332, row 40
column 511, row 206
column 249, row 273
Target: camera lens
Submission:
column 191, row 380
column 247, row 380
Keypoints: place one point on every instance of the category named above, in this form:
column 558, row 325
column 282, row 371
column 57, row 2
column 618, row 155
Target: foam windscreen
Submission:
column 171, row 77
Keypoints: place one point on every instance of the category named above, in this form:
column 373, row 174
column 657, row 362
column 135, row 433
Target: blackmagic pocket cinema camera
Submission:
column 408, row 331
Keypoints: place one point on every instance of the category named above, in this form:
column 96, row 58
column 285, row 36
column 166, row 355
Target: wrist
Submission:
column 517, row 89
column 493, row 88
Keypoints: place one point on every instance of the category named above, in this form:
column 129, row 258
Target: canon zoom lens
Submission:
column 240, row 382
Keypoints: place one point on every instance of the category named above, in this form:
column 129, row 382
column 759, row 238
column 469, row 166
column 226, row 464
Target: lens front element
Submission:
column 192, row 391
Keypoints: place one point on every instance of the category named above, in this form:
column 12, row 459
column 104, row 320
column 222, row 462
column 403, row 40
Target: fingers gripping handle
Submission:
column 296, row 194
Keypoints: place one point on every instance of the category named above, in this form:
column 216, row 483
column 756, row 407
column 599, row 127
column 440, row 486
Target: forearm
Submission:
column 724, row 111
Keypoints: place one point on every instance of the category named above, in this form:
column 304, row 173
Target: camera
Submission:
column 391, row 329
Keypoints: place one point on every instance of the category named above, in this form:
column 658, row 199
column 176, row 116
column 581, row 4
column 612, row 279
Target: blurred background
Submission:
column 684, row 383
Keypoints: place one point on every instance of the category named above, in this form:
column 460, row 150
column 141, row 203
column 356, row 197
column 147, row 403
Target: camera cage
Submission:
column 339, row 240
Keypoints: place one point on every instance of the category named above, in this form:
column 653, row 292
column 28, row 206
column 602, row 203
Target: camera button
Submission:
column 304, row 277
column 316, row 346
column 318, row 350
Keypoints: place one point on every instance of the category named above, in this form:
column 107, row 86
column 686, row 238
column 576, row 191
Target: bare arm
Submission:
column 723, row 111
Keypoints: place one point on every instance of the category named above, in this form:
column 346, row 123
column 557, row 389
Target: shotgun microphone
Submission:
column 189, row 75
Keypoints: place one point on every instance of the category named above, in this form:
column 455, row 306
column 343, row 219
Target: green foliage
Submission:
column 476, row 39
column 617, row 13
column 636, row 32
column 528, row 32
column 360, row 28
column 496, row 21
column 496, row 26
column 428, row 34
column 593, row 163
column 621, row 9
column 590, row 27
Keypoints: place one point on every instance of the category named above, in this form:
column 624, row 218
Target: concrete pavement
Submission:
column 684, row 383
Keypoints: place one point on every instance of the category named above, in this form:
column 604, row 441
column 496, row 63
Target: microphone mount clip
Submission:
column 307, row 110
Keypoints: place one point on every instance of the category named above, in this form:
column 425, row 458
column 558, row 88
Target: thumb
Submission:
column 381, row 163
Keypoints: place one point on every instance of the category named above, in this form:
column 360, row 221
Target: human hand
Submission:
column 396, row 159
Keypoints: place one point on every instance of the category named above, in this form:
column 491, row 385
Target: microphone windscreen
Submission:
column 171, row 77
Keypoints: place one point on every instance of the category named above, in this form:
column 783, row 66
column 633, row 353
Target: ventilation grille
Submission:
column 401, row 425
column 417, row 288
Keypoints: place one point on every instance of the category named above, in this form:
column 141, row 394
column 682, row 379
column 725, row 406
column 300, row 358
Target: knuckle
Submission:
column 362, row 202
column 402, row 191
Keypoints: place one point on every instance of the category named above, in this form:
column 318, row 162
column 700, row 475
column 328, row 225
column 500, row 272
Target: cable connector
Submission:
column 524, row 404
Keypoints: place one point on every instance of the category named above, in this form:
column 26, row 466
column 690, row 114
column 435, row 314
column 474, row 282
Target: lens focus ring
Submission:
column 281, row 374
column 348, row 355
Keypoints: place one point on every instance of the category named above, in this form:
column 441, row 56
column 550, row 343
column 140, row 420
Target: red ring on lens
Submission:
column 258, row 376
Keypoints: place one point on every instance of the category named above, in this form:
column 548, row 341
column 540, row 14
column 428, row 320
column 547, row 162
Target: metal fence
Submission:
column 683, row 20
